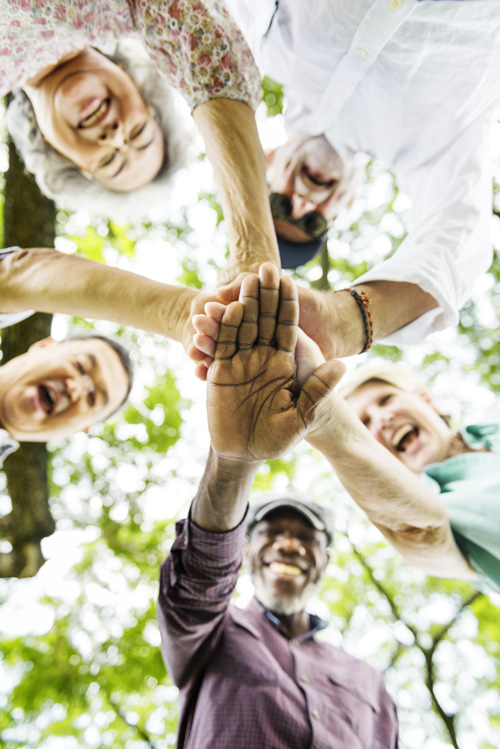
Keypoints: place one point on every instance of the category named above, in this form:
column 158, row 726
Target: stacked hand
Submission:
column 256, row 407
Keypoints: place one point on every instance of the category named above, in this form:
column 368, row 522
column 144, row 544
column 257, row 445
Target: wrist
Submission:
column 234, row 469
column 189, row 303
column 222, row 497
column 331, row 424
column 346, row 326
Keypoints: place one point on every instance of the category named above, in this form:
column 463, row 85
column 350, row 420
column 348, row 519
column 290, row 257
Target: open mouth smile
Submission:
column 285, row 570
column 317, row 178
column 404, row 437
column 96, row 116
column 48, row 398
column 52, row 397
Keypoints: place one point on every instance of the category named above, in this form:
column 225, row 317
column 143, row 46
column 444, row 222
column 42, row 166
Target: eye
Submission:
column 309, row 540
column 79, row 367
column 91, row 397
column 138, row 131
column 107, row 160
column 385, row 399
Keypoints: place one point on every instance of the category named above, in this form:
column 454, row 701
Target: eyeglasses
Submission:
column 112, row 161
column 313, row 223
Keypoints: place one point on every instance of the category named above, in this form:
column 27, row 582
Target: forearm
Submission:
column 335, row 321
column 395, row 304
column 222, row 498
column 50, row 281
column 234, row 149
column 409, row 514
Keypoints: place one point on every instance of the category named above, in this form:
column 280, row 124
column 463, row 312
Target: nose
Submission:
column 78, row 387
column 288, row 544
column 379, row 420
column 301, row 205
column 113, row 134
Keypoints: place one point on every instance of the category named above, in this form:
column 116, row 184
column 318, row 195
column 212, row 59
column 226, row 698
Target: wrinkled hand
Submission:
column 256, row 408
column 307, row 353
column 236, row 269
column 320, row 316
column 194, row 305
column 206, row 314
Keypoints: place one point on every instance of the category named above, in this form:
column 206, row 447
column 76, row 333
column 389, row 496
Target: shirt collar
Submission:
column 7, row 445
column 478, row 436
column 316, row 623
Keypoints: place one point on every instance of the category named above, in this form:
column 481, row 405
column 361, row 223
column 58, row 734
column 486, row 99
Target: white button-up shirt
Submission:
column 416, row 85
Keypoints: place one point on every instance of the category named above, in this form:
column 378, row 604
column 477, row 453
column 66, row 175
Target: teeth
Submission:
column 289, row 570
column 94, row 116
column 314, row 192
column 51, row 394
column 400, row 434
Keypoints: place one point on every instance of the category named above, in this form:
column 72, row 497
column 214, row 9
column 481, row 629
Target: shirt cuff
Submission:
column 215, row 547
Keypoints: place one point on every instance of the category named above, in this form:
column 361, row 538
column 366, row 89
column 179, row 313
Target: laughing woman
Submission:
column 433, row 492
column 94, row 118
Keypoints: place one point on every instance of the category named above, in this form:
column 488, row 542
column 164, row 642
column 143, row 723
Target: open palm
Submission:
column 256, row 409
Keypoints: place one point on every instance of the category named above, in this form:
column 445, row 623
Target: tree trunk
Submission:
column 29, row 221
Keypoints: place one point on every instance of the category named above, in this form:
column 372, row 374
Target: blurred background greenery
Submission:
column 80, row 661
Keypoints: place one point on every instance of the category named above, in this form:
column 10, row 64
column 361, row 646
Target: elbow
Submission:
column 18, row 274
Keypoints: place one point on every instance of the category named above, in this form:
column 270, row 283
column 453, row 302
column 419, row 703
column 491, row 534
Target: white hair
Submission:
column 59, row 179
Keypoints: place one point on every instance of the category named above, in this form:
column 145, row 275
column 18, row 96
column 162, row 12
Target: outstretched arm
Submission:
column 256, row 408
column 50, row 281
column 334, row 321
column 234, row 149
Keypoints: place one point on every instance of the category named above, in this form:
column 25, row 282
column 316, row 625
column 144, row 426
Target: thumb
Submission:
column 231, row 291
column 307, row 355
column 317, row 387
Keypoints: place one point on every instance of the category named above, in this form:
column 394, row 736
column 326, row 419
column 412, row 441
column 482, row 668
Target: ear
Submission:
column 427, row 397
column 270, row 157
column 85, row 431
column 42, row 343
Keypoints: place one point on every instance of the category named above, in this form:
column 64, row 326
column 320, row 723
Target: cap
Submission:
column 298, row 253
column 319, row 516
column 399, row 375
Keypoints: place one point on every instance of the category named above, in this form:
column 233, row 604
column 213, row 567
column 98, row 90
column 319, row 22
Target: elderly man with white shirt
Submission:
column 414, row 84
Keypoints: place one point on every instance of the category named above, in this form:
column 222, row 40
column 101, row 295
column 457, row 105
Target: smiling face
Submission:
column 57, row 389
column 287, row 558
column 91, row 112
column 407, row 424
column 311, row 173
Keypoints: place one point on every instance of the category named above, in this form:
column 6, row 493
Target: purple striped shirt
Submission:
column 243, row 683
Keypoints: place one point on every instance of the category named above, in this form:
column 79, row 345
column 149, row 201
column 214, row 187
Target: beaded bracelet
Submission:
column 363, row 303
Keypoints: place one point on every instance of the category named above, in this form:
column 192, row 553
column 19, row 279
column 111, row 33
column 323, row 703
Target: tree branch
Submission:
column 428, row 653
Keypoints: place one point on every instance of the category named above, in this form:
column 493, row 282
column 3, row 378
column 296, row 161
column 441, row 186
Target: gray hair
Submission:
column 59, row 179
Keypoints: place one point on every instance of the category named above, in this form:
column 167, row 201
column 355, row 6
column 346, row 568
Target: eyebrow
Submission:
column 94, row 365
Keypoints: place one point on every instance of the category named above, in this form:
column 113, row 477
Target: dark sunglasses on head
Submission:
column 312, row 223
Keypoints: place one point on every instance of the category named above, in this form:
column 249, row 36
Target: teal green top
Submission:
column 469, row 485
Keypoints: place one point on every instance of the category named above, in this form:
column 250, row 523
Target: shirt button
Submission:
column 359, row 691
column 362, row 52
column 295, row 643
column 394, row 4
column 315, row 714
column 305, row 679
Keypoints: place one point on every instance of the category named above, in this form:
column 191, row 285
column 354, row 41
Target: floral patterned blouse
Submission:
column 194, row 43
